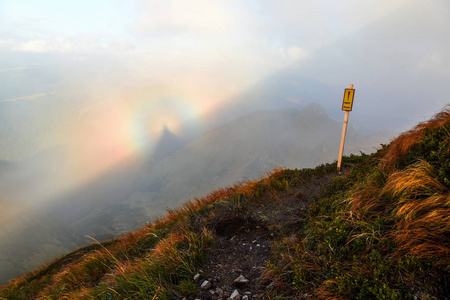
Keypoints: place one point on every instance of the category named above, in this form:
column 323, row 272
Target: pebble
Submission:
column 235, row 295
column 219, row 292
column 197, row 277
column 205, row 285
column 245, row 297
column 241, row 280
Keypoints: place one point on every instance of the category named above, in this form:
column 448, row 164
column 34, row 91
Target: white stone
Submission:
column 241, row 280
column 206, row 285
column 235, row 295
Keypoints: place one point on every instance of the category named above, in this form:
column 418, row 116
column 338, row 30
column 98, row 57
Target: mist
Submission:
column 107, row 107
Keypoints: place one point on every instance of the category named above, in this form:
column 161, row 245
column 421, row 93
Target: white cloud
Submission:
column 292, row 53
column 14, row 69
column 178, row 16
column 87, row 44
column 38, row 45
column 30, row 97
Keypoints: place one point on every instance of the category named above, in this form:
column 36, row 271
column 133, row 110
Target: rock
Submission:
column 219, row 292
column 245, row 297
column 197, row 277
column 205, row 285
column 235, row 295
column 241, row 281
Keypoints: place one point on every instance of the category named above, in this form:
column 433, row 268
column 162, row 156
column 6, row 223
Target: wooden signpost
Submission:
column 347, row 105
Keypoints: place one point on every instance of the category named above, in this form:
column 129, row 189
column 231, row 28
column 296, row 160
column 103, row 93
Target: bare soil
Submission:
column 244, row 242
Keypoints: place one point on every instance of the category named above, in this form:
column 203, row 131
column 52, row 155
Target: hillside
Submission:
column 380, row 230
column 243, row 149
column 139, row 190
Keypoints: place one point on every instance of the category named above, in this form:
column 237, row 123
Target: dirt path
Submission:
column 244, row 242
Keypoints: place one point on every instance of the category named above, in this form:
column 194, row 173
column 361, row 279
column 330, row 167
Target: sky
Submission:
column 106, row 77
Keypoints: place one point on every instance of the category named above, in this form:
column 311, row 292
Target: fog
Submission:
column 105, row 105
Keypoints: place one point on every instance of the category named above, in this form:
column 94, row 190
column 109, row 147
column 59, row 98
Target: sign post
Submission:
column 347, row 105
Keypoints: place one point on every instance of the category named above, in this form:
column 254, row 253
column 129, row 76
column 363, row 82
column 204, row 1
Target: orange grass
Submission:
column 422, row 211
column 399, row 146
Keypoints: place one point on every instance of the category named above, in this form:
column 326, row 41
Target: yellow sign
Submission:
column 348, row 99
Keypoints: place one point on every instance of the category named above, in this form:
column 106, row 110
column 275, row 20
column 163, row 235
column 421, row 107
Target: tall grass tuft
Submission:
column 422, row 206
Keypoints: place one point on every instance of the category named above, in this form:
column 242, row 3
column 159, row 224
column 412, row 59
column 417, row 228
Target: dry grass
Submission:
column 366, row 197
column 422, row 206
column 322, row 293
column 399, row 146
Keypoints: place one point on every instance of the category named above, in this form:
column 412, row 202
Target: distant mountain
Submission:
column 281, row 90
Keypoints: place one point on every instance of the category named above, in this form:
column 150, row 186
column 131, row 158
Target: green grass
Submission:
column 377, row 233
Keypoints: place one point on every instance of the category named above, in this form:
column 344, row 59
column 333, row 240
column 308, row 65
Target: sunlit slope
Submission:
column 380, row 230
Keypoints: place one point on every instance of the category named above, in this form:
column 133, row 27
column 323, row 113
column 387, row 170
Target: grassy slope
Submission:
column 379, row 231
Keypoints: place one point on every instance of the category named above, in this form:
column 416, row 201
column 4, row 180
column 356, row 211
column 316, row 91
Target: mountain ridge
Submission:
column 378, row 230
column 135, row 192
